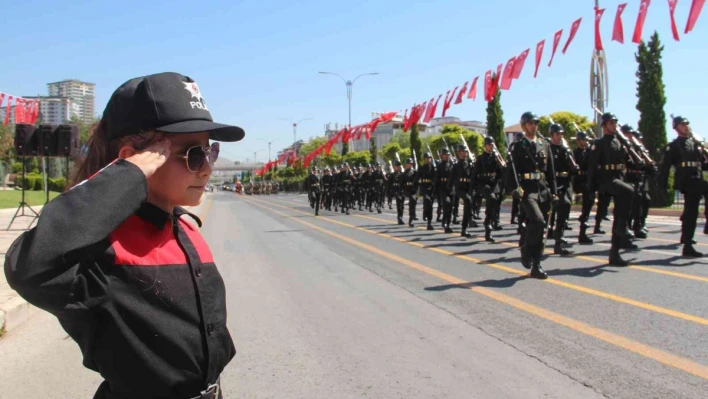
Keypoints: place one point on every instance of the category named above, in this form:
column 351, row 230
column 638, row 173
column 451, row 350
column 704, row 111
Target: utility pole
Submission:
column 295, row 126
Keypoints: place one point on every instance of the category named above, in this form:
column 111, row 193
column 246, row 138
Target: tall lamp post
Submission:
column 269, row 143
column 295, row 126
column 598, row 84
column 349, row 84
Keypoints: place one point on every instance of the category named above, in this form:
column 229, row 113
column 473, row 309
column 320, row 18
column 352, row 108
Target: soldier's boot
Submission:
column 559, row 250
column 526, row 259
column 690, row 252
column 615, row 258
column 410, row 221
column 430, row 226
column 472, row 223
column 465, row 234
column 400, row 221
column 682, row 241
column 488, row 234
column 536, row 270
column 583, row 237
column 629, row 233
column 597, row 229
column 378, row 210
column 448, row 230
column 567, row 226
column 439, row 218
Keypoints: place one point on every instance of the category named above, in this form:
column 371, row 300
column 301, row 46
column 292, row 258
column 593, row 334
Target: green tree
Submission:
column 373, row 149
column 451, row 134
column 357, row 158
column 650, row 104
column 495, row 122
column 567, row 120
column 415, row 140
column 388, row 152
column 312, row 145
column 333, row 159
column 402, row 138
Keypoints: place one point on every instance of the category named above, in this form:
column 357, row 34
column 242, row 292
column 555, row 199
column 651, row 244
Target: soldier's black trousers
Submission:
column 588, row 202
column 456, row 206
column 640, row 204
column 327, row 199
column 692, row 194
column 622, row 193
column 514, row 208
column 562, row 213
column 603, row 203
column 316, row 198
column 467, row 210
column 428, row 207
column 412, row 202
column 440, row 201
column 446, row 202
column 536, row 214
column 344, row 200
column 400, row 203
column 491, row 208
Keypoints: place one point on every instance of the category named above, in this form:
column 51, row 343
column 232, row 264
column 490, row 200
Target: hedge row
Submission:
column 35, row 182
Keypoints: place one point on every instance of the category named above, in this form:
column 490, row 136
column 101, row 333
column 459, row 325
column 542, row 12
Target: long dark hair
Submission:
column 100, row 151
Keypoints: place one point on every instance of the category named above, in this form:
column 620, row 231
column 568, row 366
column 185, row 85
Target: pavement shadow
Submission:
column 664, row 246
column 496, row 250
column 453, row 244
column 585, row 272
column 503, row 283
column 670, row 261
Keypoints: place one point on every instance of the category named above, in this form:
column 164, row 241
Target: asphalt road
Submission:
column 345, row 306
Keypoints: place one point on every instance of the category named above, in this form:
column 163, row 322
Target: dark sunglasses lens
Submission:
column 195, row 158
column 214, row 153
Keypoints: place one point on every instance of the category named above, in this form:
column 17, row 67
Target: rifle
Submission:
column 397, row 157
column 589, row 132
column 516, row 176
column 697, row 141
column 415, row 160
column 390, row 165
column 467, row 148
column 452, row 151
column 553, row 164
column 431, row 153
column 568, row 154
column 626, row 144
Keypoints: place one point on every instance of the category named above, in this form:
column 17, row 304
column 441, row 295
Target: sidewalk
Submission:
column 14, row 310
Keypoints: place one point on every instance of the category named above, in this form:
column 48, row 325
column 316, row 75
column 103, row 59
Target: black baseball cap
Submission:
column 168, row 102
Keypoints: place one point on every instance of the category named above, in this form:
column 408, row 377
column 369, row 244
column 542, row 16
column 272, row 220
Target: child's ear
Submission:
column 126, row 152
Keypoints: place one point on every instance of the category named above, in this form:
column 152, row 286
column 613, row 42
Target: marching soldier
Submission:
column 426, row 174
column 607, row 166
column 526, row 181
column 689, row 158
column 516, row 210
column 410, row 189
column 313, row 188
column 365, row 186
column 562, row 165
column 487, row 179
column 395, row 189
column 378, row 178
column 580, row 185
column 446, row 193
column 389, row 194
column 637, row 177
column 462, row 181
column 327, row 182
column 344, row 184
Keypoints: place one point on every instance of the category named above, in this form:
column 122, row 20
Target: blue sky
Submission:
column 256, row 61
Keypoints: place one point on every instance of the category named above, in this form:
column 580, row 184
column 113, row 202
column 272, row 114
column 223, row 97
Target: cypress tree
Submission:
column 495, row 122
column 373, row 149
column 415, row 141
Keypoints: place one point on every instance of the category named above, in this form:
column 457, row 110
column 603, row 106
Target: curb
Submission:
column 17, row 310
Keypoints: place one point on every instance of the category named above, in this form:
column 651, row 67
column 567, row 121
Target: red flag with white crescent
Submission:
column 539, row 53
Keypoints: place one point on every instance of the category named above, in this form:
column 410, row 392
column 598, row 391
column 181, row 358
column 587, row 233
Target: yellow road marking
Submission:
column 646, row 351
column 598, row 293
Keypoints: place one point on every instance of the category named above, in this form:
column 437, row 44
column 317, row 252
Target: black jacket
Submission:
column 686, row 157
column 531, row 162
column 134, row 286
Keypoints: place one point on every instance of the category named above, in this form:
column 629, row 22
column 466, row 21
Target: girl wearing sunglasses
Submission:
column 131, row 281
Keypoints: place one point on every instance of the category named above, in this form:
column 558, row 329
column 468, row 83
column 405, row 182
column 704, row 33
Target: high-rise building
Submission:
column 82, row 94
column 57, row 110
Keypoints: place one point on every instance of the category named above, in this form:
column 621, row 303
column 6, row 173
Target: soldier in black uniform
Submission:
column 462, row 181
column 438, row 199
column 378, row 180
column 445, row 190
column 327, row 182
column 607, row 165
column 410, row 189
column 395, row 189
column 516, row 210
column 426, row 174
column 530, row 157
column 313, row 187
column 337, row 193
column 365, row 186
column 562, row 165
column 344, row 187
column 487, row 179
column 689, row 158
column 389, row 194
column 581, row 153
column 637, row 177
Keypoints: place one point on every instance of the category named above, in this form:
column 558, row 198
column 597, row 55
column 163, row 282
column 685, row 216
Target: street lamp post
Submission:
column 269, row 143
column 349, row 84
column 295, row 126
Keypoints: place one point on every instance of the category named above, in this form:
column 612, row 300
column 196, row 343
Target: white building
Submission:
column 3, row 111
column 57, row 110
column 82, row 94
column 436, row 125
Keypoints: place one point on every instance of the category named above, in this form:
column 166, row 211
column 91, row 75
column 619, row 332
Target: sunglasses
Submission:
column 196, row 156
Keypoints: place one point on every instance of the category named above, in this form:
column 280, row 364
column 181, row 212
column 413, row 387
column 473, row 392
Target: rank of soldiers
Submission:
column 542, row 175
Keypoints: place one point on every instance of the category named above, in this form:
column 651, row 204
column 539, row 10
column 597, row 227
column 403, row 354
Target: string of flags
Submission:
column 26, row 110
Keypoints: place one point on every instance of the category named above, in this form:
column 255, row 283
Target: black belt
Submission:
column 443, row 179
column 427, row 180
column 619, row 166
column 561, row 174
column 690, row 164
column 580, row 173
column 531, row 176
column 211, row 392
column 409, row 183
column 464, row 179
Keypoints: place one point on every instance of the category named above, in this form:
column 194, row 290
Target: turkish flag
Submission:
column 598, row 38
column 462, row 92
column 418, row 113
column 519, row 64
column 36, row 112
column 672, row 10
column 387, row 117
column 617, row 29
column 696, row 7
column 539, row 53
column 473, row 89
column 556, row 40
column 487, row 84
column 508, row 72
column 643, row 8
column 427, row 116
column 448, row 101
column 435, row 106
column 20, row 110
column 573, row 31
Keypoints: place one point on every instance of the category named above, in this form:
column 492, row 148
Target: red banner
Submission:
column 617, row 29
column 696, row 7
column 508, row 72
column 448, row 101
column 473, row 90
column 539, row 53
column 672, row 10
column 556, row 40
column 643, row 8
column 519, row 64
column 573, row 31
column 8, row 110
column 598, row 38
column 462, row 92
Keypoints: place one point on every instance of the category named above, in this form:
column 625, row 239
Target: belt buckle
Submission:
column 212, row 392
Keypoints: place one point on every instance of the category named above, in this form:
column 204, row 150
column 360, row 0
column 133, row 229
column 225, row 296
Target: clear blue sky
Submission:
column 256, row 61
